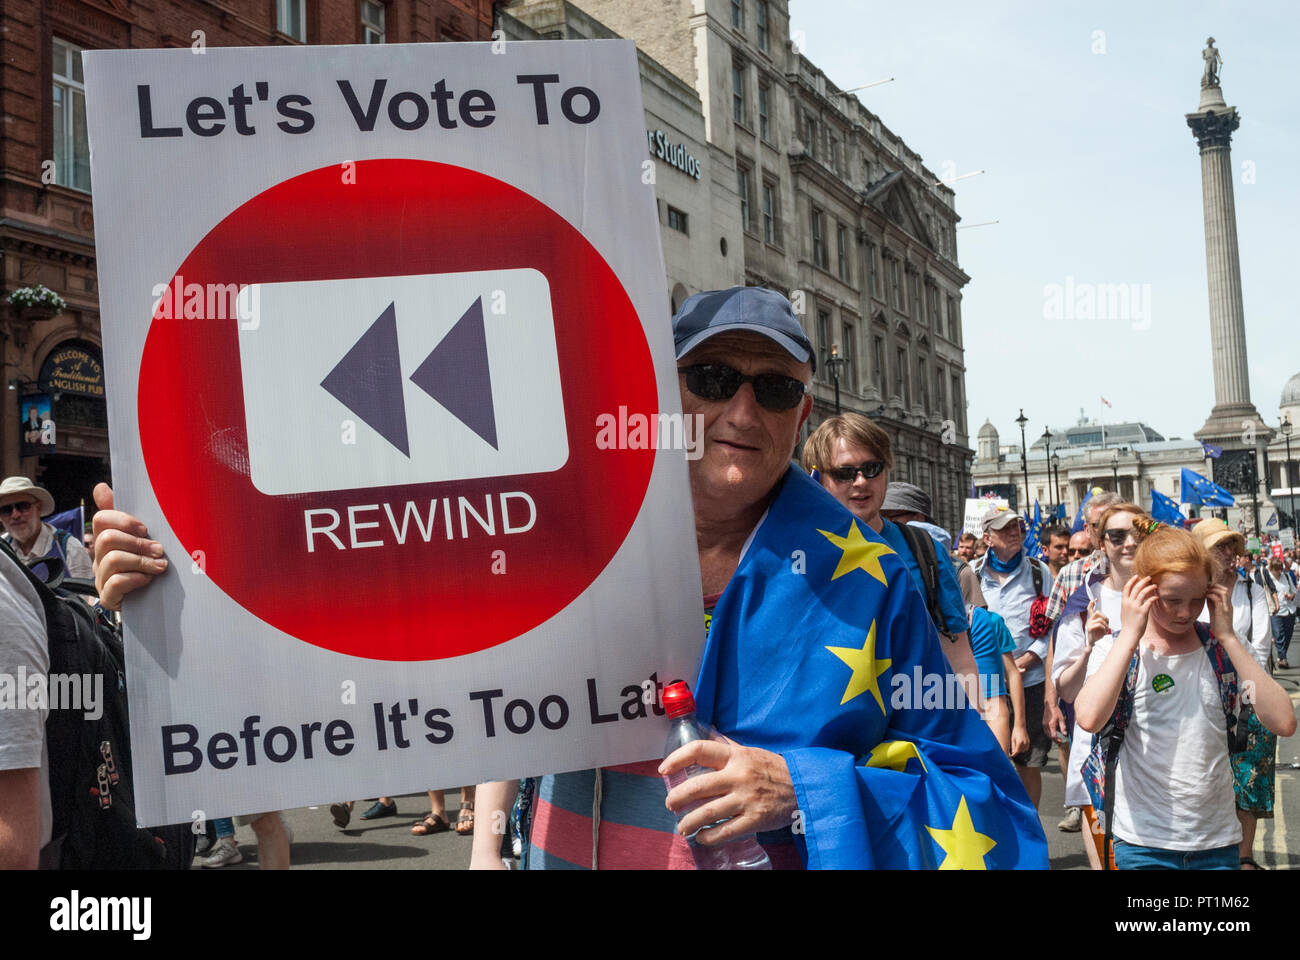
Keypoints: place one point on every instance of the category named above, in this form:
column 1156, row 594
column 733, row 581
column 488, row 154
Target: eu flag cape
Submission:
column 820, row 649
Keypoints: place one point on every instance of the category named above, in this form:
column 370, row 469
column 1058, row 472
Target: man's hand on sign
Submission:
column 751, row 786
column 125, row 559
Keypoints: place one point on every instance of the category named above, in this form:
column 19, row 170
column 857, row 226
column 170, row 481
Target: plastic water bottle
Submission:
column 743, row 853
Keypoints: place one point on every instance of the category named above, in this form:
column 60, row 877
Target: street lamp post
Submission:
column 1047, row 437
column 1286, row 470
column 1114, row 469
column 1056, row 467
column 1024, row 460
column 834, row 362
column 1254, row 489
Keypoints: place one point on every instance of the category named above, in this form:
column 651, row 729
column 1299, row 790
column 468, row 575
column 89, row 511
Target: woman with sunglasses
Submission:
column 852, row 457
column 1076, row 637
column 1253, row 769
column 1171, row 798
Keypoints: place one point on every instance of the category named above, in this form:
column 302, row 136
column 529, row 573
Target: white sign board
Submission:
column 363, row 309
column 975, row 510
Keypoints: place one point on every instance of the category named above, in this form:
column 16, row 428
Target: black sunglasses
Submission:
column 717, row 381
column 870, row 470
column 1117, row 536
column 22, row 506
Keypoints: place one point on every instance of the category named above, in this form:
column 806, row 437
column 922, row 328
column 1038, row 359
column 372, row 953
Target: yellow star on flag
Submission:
column 866, row 668
column 964, row 845
column 859, row 553
column 894, row 754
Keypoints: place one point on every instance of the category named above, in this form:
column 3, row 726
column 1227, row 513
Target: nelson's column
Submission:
column 1234, row 424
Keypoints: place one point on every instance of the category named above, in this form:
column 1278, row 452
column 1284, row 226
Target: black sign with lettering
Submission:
column 74, row 368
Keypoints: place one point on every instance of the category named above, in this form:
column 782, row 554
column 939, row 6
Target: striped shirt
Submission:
column 1071, row 578
column 615, row 819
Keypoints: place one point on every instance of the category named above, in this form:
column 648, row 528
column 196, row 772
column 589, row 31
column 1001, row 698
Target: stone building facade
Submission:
column 1130, row 458
column 51, row 358
column 836, row 212
column 694, row 181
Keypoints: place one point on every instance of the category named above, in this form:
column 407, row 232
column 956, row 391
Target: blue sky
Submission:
column 1094, row 175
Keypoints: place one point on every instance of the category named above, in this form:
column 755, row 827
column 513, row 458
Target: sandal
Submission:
column 465, row 819
column 341, row 813
column 432, row 823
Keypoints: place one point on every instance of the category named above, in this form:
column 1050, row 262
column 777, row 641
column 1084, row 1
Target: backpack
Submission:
column 927, row 561
column 1039, row 625
column 91, row 789
column 1099, row 769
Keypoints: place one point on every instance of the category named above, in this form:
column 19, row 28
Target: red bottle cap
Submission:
column 678, row 700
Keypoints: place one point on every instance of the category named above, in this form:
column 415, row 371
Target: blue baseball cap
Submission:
column 753, row 309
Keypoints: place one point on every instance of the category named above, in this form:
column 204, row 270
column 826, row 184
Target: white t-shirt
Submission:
column 1173, row 782
column 23, row 654
column 1070, row 646
column 1283, row 586
column 1250, row 620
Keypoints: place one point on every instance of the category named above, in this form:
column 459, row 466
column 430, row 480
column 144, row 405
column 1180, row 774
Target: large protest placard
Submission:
column 390, row 376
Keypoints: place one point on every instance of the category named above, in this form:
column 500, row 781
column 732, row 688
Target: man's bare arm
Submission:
column 20, row 819
column 492, row 803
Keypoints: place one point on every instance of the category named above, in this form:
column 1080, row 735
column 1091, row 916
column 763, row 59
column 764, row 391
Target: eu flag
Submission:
column 1210, row 450
column 73, row 521
column 1078, row 517
column 1165, row 510
column 1196, row 489
column 1033, row 529
column 820, row 649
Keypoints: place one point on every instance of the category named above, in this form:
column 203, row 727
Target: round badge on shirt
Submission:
column 1162, row 682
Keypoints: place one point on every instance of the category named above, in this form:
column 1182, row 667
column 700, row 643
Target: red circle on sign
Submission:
column 419, row 600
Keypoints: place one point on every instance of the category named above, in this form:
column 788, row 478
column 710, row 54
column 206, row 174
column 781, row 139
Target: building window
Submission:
column 940, row 390
column 71, row 144
column 819, row 238
column 291, row 18
column 878, row 364
column 914, row 293
column 842, row 251
column 745, row 186
column 835, row 153
column 760, row 23
column 824, row 338
column 764, row 105
column 739, row 112
column 771, row 213
column 678, row 220
column 958, row 410
column 849, row 351
column 902, row 381
column 932, row 307
column 372, row 21
column 810, row 134
column 923, row 383
column 738, row 14
column 952, row 319
column 895, row 288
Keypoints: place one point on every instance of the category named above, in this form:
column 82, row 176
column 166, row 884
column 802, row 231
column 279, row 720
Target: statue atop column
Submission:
column 1212, row 63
